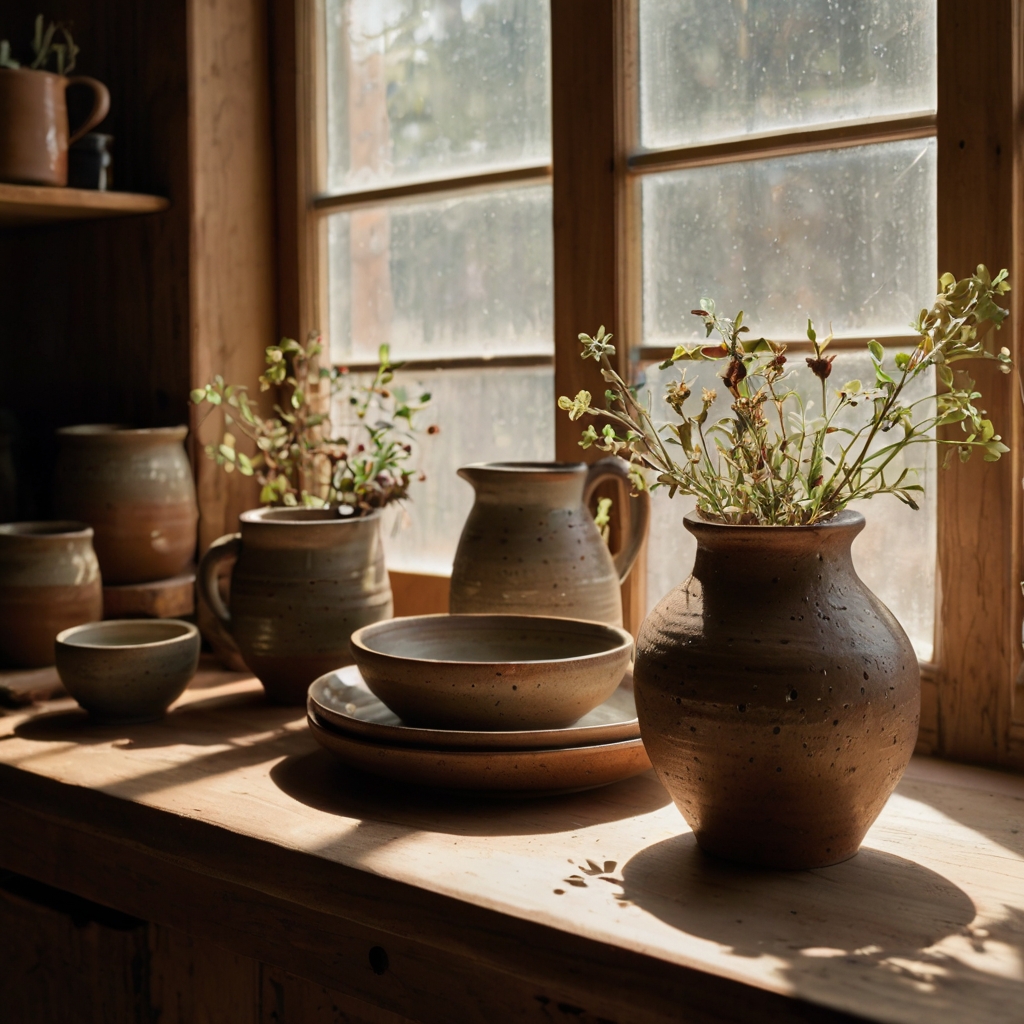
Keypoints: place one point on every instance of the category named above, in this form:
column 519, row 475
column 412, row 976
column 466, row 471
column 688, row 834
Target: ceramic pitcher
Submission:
column 303, row 582
column 530, row 545
column 34, row 124
column 49, row 581
column 135, row 488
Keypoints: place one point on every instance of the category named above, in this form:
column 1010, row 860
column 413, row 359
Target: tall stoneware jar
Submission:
column 303, row 581
column 49, row 581
column 135, row 488
column 530, row 545
column 778, row 698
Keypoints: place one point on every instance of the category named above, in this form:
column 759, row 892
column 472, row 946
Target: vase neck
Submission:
column 547, row 484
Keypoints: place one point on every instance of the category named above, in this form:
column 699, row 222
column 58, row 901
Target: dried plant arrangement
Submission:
column 780, row 460
column 46, row 48
column 297, row 459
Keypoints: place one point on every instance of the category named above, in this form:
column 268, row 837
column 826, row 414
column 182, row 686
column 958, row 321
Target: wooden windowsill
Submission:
column 226, row 820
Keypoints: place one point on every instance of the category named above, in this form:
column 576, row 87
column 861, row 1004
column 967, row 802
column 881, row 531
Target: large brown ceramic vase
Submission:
column 778, row 697
column 135, row 488
column 49, row 581
column 303, row 582
column 530, row 546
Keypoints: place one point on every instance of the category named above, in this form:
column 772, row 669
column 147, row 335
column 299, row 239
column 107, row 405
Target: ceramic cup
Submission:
column 128, row 670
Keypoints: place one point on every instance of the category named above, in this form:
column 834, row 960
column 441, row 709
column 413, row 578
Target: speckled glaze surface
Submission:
column 128, row 670
column 778, row 698
column 342, row 701
column 303, row 582
column 49, row 581
column 530, row 546
column 510, row 772
column 135, row 488
column 491, row 671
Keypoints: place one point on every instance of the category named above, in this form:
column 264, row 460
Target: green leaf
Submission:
column 876, row 350
column 198, row 395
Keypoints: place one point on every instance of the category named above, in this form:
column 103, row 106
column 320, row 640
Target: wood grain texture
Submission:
column 21, row 205
column 223, row 821
column 96, row 313
column 979, row 507
column 594, row 280
column 232, row 272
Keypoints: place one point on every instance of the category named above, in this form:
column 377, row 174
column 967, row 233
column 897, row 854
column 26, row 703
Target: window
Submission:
column 435, row 206
column 791, row 226
column 774, row 154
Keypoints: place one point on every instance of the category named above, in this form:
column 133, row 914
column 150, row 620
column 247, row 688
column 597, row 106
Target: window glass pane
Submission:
column 718, row 70
column 894, row 555
column 428, row 88
column 846, row 236
column 452, row 277
column 484, row 416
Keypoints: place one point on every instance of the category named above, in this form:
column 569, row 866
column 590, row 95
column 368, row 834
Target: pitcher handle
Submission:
column 100, row 106
column 223, row 548
column 615, row 468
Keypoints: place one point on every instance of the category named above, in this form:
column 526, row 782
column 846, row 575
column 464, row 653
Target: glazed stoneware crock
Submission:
column 778, row 698
column 135, row 488
column 530, row 546
column 49, row 581
column 304, row 581
column 34, row 136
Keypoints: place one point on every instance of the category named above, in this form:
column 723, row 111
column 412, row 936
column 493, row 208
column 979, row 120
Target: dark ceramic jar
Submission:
column 778, row 698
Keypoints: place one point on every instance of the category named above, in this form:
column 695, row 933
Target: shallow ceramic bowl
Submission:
column 128, row 670
column 491, row 671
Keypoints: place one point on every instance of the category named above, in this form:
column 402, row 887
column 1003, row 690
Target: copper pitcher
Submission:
column 34, row 124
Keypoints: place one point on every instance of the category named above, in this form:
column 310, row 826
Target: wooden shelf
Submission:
column 21, row 205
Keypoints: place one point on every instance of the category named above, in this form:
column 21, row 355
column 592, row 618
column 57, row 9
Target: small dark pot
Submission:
column 778, row 698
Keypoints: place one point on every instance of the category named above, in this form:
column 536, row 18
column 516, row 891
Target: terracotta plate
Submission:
column 497, row 771
column 343, row 703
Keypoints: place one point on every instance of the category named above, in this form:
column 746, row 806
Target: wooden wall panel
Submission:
column 979, row 503
column 95, row 321
column 233, row 306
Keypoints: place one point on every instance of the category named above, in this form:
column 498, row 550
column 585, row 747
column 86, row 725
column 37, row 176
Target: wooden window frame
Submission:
column 968, row 692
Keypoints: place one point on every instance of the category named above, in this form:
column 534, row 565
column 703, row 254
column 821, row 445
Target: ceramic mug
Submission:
column 34, row 124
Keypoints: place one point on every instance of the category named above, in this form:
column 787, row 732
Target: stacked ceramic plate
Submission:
column 345, row 717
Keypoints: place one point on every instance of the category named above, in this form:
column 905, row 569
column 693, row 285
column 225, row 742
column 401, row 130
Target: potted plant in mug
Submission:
column 778, row 698
column 310, row 565
column 33, row 110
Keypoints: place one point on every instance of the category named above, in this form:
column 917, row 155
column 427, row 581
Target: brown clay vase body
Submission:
column 778, row 698
column 304, row 581
column 530, row 546
column 49, row 581
column 135, row 488
column 34, row 135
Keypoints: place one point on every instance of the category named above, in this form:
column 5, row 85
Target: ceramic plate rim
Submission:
column 504, row 740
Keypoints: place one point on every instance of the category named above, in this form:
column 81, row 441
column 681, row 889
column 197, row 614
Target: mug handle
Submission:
column 100, row 106
column 222, row 549
column 614, row 468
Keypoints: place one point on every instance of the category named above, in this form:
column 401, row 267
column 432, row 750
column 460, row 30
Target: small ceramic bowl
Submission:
column 128, row 670
column 491, row 671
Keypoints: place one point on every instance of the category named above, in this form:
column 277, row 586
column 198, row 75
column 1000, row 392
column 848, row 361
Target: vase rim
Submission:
column 521, row 468
column 58, row 529
column 846, row 518
column 278, row 516
column 112, row 431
